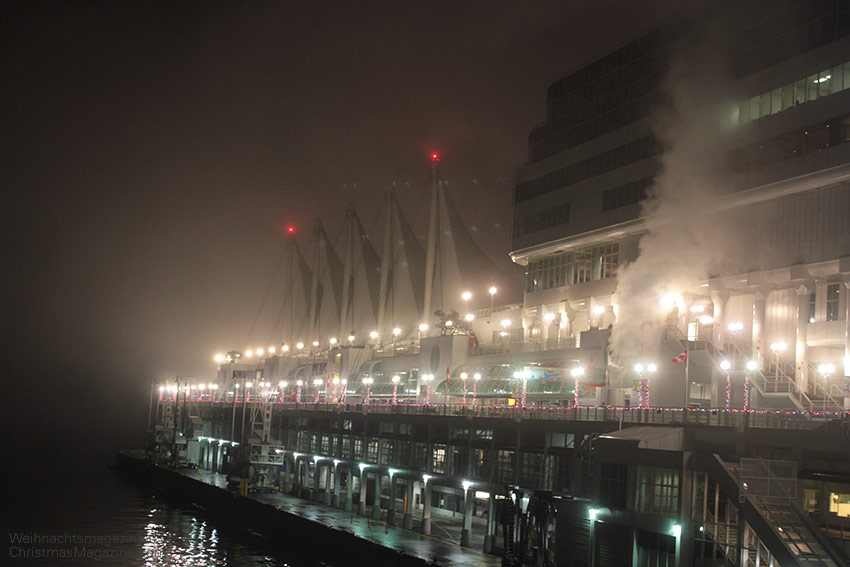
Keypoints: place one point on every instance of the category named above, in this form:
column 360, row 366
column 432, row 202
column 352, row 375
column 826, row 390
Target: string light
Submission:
column 728, row 392
column 746, row 393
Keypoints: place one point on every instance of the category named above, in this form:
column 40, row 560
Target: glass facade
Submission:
column 805, row 89
column 539, row 221
column 627, row 194
column 613, row 91
column 573, row 268
column 598, row 164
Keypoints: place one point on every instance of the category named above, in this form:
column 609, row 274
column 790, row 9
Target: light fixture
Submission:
column 725, row 364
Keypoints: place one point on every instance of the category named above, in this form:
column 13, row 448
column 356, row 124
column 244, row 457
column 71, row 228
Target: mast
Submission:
column 386, row 265
column 431, row 252
column 346, row 317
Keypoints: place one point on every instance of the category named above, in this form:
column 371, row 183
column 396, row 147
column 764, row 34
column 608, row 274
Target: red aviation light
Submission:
column 290, row 229
column 435, row 157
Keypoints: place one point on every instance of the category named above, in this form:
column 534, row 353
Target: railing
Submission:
column 739, row 419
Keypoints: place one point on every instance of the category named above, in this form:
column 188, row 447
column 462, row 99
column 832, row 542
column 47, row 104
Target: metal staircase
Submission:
column 762, row 525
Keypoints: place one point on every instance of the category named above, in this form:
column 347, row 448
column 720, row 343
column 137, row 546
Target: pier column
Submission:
column 426, row 509
column 407, row 520
column 490, row 534
column 376, row 503
column 329, row 490
column 317, row 476
column 466, row 532
column 337, row 484
column 362, row 478
column 391, row 507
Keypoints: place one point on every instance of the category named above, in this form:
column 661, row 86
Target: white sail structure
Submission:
column 360, row 280
column 325, row 288
column 294, row 311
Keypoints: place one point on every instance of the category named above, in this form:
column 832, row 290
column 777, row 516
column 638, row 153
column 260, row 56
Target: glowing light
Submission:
column 282, row 384
column 651, row 367
column 469, row 317
column 351, row 338
column 299, row 346
column 285, row 348
column 638, row 367
column 493, row 290
column 549, row 317
column 598, row 310
column 272, row 350
column 466, row 296
column 826, row 369
column 736, row 326
column 290, row 229
column 427, row 377
column 396, row 379
column 577, row 371
column 778, row 347
column 315, row 343
column 464, row 375
column 677, row 530
column 822, row 79
column 396, row 331
column 725, row 364
column 219, row 358
column 426, row 478
column 249, row 353
column 260, row 352
column 752, row 365
column 373, row 334
column 593, row 513
column 706, row 320
column 300, row 383
column 333, row 340
column 423, row 327
column 476, row 376
column 317, row 382
column 435, row 157
column 669, row 301
column 449, row 323
column 506, row 323
column 697, row 308
column 466, row 484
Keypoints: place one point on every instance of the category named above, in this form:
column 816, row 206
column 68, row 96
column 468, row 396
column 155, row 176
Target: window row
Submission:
column 806, row 89
column 542, row 220
column 627, row 194
column 811, row 139
column 573, row 268
column 637, row 150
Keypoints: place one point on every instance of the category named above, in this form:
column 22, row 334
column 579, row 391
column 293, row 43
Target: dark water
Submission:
column 105, row 518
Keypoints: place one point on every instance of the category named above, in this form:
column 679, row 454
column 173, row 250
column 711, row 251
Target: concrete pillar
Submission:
column 759, row 303
column 407, row 521
column 846, row 362
column 490, row 535
column 376, row 502
column 337, row 483
column 466, row 532
column 719, row 299
column 801, row 349
column 391, row 507
column 426, row 509
column 317, row 475
column 329, row 490
column 362, row 478
column 349, row 492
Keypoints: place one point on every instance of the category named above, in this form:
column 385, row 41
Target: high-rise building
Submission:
column 710, row 165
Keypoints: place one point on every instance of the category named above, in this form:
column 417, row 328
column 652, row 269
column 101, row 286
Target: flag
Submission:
column 681, row 358
column 448, row 376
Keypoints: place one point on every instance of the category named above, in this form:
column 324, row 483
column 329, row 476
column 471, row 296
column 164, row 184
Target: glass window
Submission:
column 775, row 101
column 812, row 88
column 439, row 459
column 832, row 302
column 824, row 79
column 754, row 108
column 800, row 92
column 787, row 96
column 847, row 75
column 812, row 303
column 764, row 104
column 836, row 83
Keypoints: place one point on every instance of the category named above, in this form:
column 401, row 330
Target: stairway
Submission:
column 779, row 532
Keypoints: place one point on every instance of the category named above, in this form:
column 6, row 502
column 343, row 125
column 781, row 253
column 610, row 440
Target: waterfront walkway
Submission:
column 441, row 548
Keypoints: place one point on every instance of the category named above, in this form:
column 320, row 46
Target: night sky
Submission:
column 153, row 153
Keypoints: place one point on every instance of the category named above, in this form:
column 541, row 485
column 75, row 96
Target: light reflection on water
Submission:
column 112, row 521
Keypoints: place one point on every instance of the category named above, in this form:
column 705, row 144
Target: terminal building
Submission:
column 672, row 389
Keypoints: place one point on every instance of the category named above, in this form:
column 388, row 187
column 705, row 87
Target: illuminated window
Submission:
column 439, row 460
column 832, row 302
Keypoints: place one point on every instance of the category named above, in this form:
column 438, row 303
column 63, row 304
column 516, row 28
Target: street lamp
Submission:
column 396, row 333
column 777, row 348
column 367, row 381
column 576, row 373
column 396, row 380
column 492, row 292
column 427, row 378
column 464, row 376
column 725, row 365
column 466, row 297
